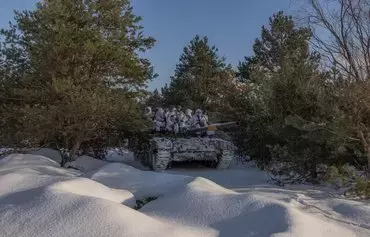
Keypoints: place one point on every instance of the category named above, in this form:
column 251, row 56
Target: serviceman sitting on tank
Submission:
column 159, row 120
column 166, row 112
column 148, row 114
column 188, row 116
column 205, row 116
column 172, row 122
column 181, row 121
column 198, row 120
column 179, row 109
column 169, row 123
column 184, row 120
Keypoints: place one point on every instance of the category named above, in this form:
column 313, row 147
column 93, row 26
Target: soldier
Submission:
column 166, row 112
column 188, row 114
column 171, row 121
column 148, row 114
column 179, row 109
column 159, row 120
column 198, row 120
column 181, row 120
column 187, row 118
column 205, row 115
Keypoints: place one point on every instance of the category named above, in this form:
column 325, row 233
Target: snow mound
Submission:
column 120, row 155
column 351, row 210
column 86, row 164
column 84, row 187
column 194, row 201
column 347, row 211
column 49, row 153
column 22, row 163
column 204, row 203
column 26, row 160
column 142, row 184
column 43, row 204
column 39, row 198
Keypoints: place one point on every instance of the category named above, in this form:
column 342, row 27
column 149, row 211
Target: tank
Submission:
column 197, row 144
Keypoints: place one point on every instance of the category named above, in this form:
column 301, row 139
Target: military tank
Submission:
column 193, row 144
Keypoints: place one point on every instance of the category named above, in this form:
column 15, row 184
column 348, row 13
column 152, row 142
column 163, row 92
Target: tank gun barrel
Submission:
column 213, row 127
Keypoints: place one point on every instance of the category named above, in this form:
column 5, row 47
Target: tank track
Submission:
column 159, row 153
column 160, row 160
column 225, row 159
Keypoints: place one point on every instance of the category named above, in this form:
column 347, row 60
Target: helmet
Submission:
column 160, row 110
column 188, row 111
column 198, row 111
column 148, row 109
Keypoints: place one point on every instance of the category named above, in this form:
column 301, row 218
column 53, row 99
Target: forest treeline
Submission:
column 72, row 76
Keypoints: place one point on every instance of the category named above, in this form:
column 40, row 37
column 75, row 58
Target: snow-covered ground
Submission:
column 38, row 198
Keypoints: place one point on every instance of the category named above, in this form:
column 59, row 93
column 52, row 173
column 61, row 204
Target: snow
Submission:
column 252, row 208
column 48, row 203
column 86, row 164
column 121, row 155
column 49, row 153
column 39, row 198
column 142, row 184
column 204, row 203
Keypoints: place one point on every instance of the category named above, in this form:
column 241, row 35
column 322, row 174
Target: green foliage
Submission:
column 362, row 188
column 72, row 72
column 155, row 99
column 196, row 76
column 341, row 176
column 281, row 42
column 287, row 101
column 345, row 177
column 352, row 123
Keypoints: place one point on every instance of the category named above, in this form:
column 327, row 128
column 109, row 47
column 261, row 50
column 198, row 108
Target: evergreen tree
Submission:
column 281, row 42
column 74, row 72
column 195, row 75
column 287, row 87
column 154, row 100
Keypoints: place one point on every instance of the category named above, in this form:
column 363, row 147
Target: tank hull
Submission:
column 159, row 152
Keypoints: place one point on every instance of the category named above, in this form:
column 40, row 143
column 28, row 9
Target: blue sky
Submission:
column 230, row 25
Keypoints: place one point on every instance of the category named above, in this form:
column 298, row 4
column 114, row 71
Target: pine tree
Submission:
column 154, row 100
column 281, row 42
column 195, row 75
column 75, row 71
column 288, row 86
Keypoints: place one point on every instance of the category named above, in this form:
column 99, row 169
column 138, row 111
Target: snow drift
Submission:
column 204, row 203
column 86, row 164
column 194, row 201
column 142, row 184
column 38, row 198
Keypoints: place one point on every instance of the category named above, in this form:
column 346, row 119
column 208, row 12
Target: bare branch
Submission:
column 344, row 37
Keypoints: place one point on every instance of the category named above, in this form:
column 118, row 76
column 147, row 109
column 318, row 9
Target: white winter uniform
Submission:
column 181, row 118
column 198, row 121
column 159, row 120
column 148, row 113
column 171, row 122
